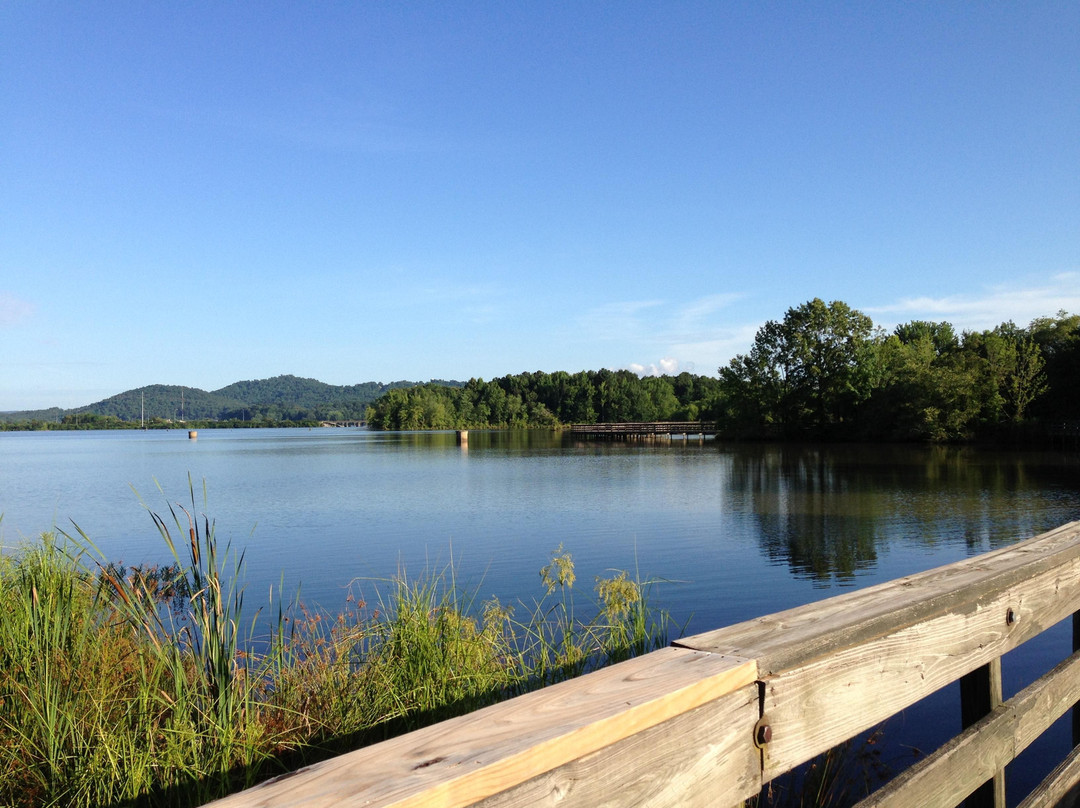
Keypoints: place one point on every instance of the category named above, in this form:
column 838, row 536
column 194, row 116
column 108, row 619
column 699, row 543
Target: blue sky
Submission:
column 198, row 193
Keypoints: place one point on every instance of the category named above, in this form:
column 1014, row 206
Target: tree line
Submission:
column 547, row 400
column 824, row 371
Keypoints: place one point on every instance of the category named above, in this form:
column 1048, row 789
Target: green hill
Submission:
column 166, row 401
column 282, row 398
column 293, row 391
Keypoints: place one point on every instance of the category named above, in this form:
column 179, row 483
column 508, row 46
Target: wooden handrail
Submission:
column 466, row 759
column 713, row 718
column 648, row 427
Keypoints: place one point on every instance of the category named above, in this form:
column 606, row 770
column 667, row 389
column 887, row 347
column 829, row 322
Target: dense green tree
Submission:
column 541, row 399
column 806, row 374
column 941, row 336
column 579, row 407
column 925, row 387
column 662, row 403
column 1058, row 339
column 1011, row 372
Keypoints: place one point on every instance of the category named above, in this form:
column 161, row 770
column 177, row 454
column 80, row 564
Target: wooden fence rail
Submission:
column 642, row 429
column 713, row 718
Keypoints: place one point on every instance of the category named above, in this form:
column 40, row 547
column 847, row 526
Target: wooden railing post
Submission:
column 980, row 693
column 1076, row 709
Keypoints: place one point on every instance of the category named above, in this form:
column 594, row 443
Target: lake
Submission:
column 729, row 531
column 739, row 529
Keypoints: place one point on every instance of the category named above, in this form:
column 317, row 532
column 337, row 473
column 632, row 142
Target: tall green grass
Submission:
column 151, row 685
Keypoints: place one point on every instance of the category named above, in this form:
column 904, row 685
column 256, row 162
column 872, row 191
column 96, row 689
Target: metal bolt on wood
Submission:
column 762, row 733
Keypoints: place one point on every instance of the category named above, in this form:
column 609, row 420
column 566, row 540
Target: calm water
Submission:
column 734, row 530
column 740, row 529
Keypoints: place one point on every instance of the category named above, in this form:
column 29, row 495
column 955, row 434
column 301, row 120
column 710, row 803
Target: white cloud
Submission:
column 668, row 366
column 14, row 310
column 989, row 307
column 696, row 336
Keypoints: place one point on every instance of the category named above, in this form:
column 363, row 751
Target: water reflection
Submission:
column 827, row 511
column 326, row 506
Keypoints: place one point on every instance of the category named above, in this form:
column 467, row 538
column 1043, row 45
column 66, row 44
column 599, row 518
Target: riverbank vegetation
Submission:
column 824, row 371
column 155, row 685
column 548, row 400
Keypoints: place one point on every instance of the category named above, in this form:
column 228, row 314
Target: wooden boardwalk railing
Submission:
column 712, row 719
column 642, row 429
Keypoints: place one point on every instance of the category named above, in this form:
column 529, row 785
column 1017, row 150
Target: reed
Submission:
column 150, row 685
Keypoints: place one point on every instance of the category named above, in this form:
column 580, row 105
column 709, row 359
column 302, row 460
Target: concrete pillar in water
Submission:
column 192, row 434
column 463, row 437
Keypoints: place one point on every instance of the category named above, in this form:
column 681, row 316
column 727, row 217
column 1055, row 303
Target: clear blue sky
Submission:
column 201, row 192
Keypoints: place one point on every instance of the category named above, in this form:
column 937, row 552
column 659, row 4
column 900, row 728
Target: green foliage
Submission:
column 294, row 398
column 539, row 399
column 806, row 375
column 168, row 402
column 1011, row 367
column 935, row 387
column 1058, row 339
column 143, row 686
column 825, row 372
column 926, row 389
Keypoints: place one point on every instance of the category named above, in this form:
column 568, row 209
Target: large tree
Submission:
column 806, row 374
column 927, row 387
column 1058, row 339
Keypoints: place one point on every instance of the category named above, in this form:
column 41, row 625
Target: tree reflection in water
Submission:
column 829, row 511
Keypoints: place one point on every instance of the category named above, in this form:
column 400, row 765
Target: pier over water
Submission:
column 643, row 430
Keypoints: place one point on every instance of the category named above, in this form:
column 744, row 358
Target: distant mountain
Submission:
column 279, row 398
column 53, row 414
column 295, row 391
column 166, row 401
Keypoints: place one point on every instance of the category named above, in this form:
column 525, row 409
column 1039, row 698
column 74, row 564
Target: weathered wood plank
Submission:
column 790, row 638
column 467, row 759
column 700, row 759
column 815, row 707
column 947, row 776
column 675, row 727
column 1058, row 789
column 838, row 667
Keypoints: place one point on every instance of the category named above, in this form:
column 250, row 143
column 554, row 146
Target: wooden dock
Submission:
column 643, row 430
column 714, row 718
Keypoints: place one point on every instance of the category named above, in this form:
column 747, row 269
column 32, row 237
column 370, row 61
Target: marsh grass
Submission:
column 148, row 685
